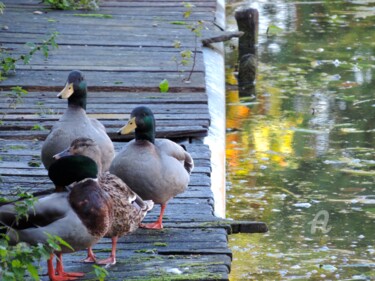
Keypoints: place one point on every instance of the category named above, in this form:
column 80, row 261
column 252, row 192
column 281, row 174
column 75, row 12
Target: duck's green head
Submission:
column 75, row 89
column 141, row 121
column 70, row 169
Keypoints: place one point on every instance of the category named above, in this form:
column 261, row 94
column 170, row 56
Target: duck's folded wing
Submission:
column 176, row 151
column 42, row 212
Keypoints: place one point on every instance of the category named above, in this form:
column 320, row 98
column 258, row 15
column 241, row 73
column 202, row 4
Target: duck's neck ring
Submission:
column 141, row 135
column 78, row 99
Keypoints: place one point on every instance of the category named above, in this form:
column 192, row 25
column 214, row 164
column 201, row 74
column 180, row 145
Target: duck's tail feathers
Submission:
column 144, row 205
column 149, row 204
column 188, row 163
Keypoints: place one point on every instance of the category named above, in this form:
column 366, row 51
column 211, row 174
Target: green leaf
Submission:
column 177, row 44
column 100, row 272
column 179, row 22
column 38, row 127
column 164, row 86
column 16, row 263
column 186, row 54
column 56, row 240
column 33, row 271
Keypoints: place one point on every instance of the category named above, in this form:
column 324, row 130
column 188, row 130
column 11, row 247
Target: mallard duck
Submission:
column 75, row 123
column 156, row 169
column 129, row 208
column 80, row 216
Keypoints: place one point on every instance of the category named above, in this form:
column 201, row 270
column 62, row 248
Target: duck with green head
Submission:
column 80, row 216
column 156, row 169
column 75, row 123
column 129, row 208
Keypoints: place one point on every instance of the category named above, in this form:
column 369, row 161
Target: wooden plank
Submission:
column 133, row 265
column 104, row 106
column 33, row 80
column 121, row 97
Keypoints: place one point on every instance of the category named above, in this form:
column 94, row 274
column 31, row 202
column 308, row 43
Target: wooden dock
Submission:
column 124, row 56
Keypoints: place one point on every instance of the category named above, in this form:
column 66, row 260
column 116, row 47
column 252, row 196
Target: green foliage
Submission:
column 164, row 86
column 188, row 9
column 23, row 206
column 100, row 272
column 38, row 127
column 15, row 97
column 73, row 4
column 2, row 7
column 8, row 61
column 19, row 260
column 100, row 16
column 188, row 56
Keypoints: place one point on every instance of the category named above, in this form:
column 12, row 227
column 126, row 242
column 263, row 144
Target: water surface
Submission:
column 300, row 154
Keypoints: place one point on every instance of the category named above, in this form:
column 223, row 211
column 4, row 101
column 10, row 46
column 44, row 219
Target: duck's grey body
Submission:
column 75, row 123
column 155, row 171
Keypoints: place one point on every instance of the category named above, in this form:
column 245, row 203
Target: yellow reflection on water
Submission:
column 263, row 130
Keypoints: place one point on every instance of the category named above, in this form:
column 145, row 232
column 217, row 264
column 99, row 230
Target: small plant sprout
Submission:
column 38, row 127
column 188, row 57
column 15, row 97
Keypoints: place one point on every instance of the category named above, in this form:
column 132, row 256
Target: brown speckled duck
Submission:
column 75, row 123
column 129, row 208
column 156, row 169
column 80, row 216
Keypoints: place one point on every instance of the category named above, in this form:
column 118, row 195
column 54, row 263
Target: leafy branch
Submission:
column 188, row 56
column 73, row 4
column 8, row 62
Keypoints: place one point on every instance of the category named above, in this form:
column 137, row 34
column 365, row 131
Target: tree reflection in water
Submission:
column 300, row 156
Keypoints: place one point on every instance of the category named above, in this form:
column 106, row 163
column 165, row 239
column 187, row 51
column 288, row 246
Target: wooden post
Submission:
column 247, row 22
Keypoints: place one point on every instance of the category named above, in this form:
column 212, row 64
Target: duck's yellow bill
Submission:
column 129, row 127
column 66, row 92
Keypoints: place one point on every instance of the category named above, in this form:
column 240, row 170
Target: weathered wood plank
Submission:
column 150, row 266
column 121, row 97
column 123, row 41
column 105, row 81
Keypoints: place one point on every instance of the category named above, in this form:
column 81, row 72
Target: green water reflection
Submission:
column 300, row 156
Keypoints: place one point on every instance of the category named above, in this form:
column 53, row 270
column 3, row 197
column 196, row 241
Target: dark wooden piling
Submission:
column 247, row 22
column 124, row 57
